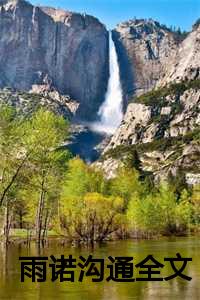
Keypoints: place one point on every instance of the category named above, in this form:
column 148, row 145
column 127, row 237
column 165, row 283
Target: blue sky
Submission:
column 181, row 13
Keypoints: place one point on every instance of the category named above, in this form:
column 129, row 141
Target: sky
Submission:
column 179, row 13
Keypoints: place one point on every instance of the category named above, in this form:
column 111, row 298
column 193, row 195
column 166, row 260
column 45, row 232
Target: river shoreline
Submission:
column 65, row 241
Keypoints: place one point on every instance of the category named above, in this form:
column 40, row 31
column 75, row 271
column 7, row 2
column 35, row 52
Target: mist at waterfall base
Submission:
column 110, row 114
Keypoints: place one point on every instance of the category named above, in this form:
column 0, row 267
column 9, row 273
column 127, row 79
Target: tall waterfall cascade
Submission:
column 111, row 111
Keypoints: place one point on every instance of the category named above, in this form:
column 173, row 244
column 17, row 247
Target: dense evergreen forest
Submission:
column 45, row 192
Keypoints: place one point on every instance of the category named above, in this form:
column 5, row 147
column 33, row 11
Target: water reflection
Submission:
column 12, row 288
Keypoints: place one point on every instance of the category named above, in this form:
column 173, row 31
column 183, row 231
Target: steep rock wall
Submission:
column 67, row 50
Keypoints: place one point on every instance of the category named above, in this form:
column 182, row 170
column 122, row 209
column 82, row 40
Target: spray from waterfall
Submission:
column 111, row 111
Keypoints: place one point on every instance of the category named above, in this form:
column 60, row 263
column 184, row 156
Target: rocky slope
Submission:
column 166, row 112
column 47, row 46
column 185, row 64
column 29, row 102
column 160, row 132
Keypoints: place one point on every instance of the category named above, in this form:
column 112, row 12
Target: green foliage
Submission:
column 184, row 212
column 94, row 219
column 195, row 200
column 126, row 184
column 30, row 163
column 160, row 213
column 144, row 214
column 81, row 179
column 42, row 188
column 157, row 97
column 11, row 145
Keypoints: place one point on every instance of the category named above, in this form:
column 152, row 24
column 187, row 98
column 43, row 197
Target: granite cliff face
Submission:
column 161, row 128
column 185, row 63
column 47, row 46
column 162, row 116
column 42, row 45
column 144, row 48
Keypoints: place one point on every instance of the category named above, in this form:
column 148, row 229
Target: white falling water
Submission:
column 111, row 111
column 14, row 13
column 33, row 15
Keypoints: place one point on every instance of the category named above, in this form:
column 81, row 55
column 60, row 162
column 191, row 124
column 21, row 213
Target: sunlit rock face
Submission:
column 144, row 124
column 185, row 64
column 163, row 125
column 165, row 137
column 43, row 45
column 144, row 47
column 175, row 114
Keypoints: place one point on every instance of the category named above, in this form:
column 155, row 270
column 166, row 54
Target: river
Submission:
column 11, row 288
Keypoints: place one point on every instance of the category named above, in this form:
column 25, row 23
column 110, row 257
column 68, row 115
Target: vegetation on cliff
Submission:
column 158, row 96
column 162, row 128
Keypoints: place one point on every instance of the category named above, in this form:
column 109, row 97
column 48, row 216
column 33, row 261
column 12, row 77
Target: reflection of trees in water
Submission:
column 4, row 262
column 10, row 287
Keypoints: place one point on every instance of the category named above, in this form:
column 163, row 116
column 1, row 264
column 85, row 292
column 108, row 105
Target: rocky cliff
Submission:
column 27, row 103
column 163, row 113
column 160, row 132
column 144, row 48
column 47, row 46
column 185, row 63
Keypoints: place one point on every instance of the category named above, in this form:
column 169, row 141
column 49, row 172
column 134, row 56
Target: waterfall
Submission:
column 33, row 15
column 14, row 13
column 111, row 111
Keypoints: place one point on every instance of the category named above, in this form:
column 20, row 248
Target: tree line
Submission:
column 44, row 189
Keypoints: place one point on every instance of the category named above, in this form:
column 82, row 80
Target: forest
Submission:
column 45, row 192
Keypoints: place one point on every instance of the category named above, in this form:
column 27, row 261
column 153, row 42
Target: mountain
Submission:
column 69, row 51
column 40, row 45
column 144, row 48
column 160, row 132
column 60, row 60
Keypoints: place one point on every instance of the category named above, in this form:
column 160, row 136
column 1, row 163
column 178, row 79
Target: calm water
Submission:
column 11, row 287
